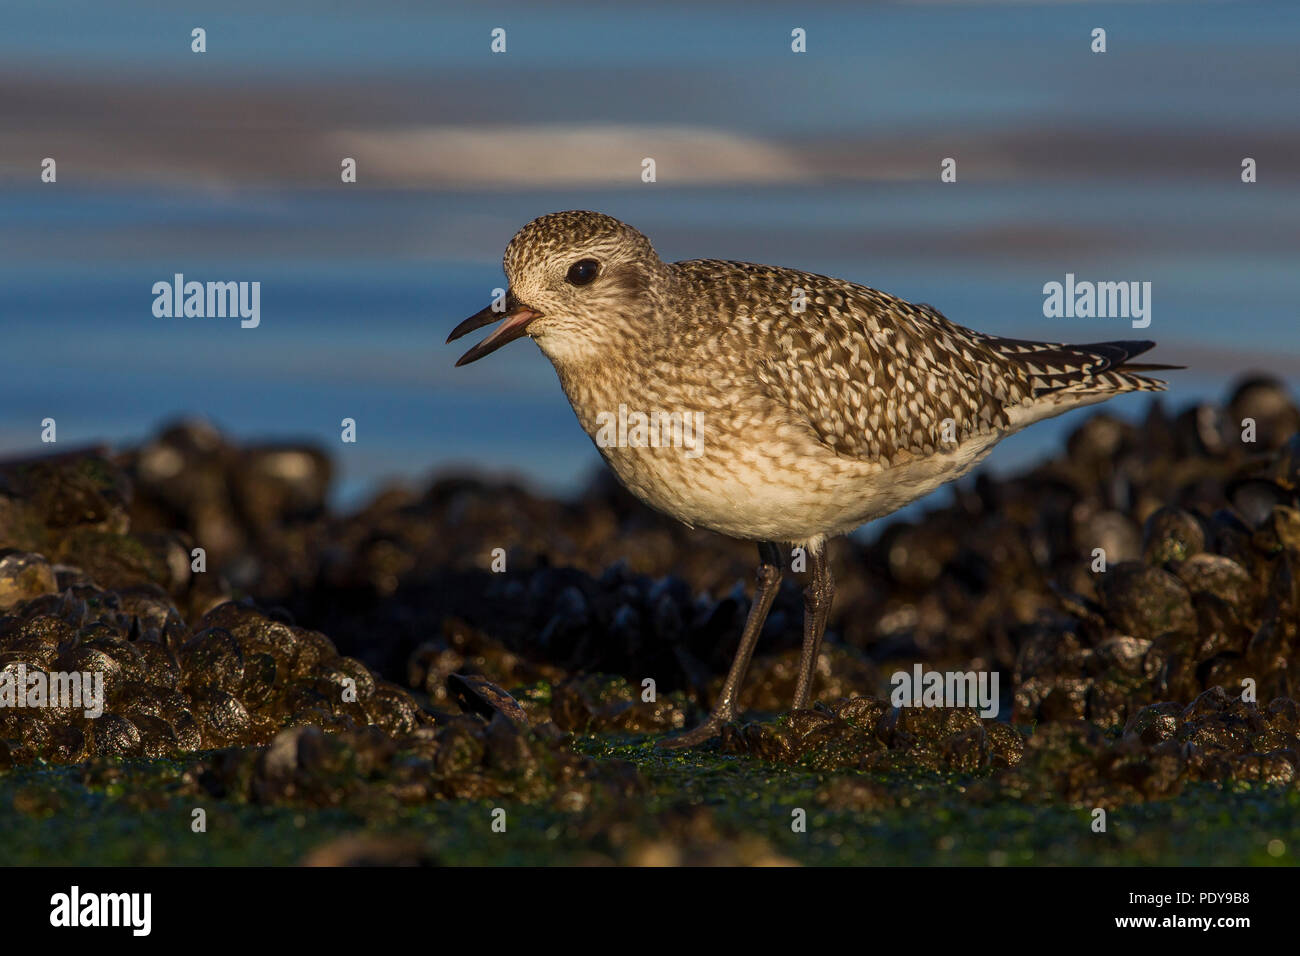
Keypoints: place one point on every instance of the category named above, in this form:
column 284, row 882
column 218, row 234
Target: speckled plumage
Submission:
column 809, row 421
column 813, row 421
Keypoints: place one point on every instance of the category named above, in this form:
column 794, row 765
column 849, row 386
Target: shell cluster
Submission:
column 1127, row 591
column 233, row 679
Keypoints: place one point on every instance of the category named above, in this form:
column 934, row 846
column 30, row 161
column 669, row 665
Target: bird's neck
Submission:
column 601, row 380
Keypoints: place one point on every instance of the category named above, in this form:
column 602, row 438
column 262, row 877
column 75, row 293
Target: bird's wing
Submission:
column 877, row 378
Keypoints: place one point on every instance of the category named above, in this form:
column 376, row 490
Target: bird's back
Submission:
column 877, row 378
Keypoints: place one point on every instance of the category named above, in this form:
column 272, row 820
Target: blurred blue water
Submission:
column 360, row 286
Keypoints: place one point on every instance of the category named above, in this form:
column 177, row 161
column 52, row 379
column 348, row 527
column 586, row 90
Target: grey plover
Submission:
column 816, row 404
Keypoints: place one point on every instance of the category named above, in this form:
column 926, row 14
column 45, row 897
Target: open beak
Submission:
column 517, row 319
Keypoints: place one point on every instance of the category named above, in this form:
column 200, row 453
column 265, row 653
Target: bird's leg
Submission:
column 769, row 581
column 817, row 597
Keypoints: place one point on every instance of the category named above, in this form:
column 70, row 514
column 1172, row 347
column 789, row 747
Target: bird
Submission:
column 814, row 404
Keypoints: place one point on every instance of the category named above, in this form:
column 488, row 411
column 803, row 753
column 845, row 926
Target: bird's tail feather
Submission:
column 1095, row 367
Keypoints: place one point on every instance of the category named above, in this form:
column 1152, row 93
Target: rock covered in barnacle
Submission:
column 1171, row 534
column 1111, row 587
column 24, row 576
column 1162, row 499
column 235, row 679
column 465, row 758
column 597, row 702
column 1213, row 600
column 1268, row 403
column 1216, row 737
column 866, row 733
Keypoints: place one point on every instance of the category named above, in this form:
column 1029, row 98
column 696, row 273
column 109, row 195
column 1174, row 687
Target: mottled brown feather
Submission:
column 873, row 376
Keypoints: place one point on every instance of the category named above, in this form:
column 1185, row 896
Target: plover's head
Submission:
column 581, row 284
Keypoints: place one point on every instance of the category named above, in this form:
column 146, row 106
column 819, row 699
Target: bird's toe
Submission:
column 692, row 738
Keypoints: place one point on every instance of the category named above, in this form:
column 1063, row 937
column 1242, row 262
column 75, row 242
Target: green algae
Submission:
column 141, row 812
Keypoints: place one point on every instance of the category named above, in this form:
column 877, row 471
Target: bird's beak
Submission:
column 517, row 319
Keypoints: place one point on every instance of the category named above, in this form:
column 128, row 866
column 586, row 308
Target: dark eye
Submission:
column 583, row 271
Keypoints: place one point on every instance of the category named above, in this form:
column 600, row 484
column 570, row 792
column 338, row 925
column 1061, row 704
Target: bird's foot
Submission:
column 693, row 738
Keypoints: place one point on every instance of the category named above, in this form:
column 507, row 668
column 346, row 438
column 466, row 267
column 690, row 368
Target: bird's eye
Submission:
column 583, row 271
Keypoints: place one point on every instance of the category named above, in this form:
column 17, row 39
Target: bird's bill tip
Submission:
column 513, row 325
column 476, row 321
